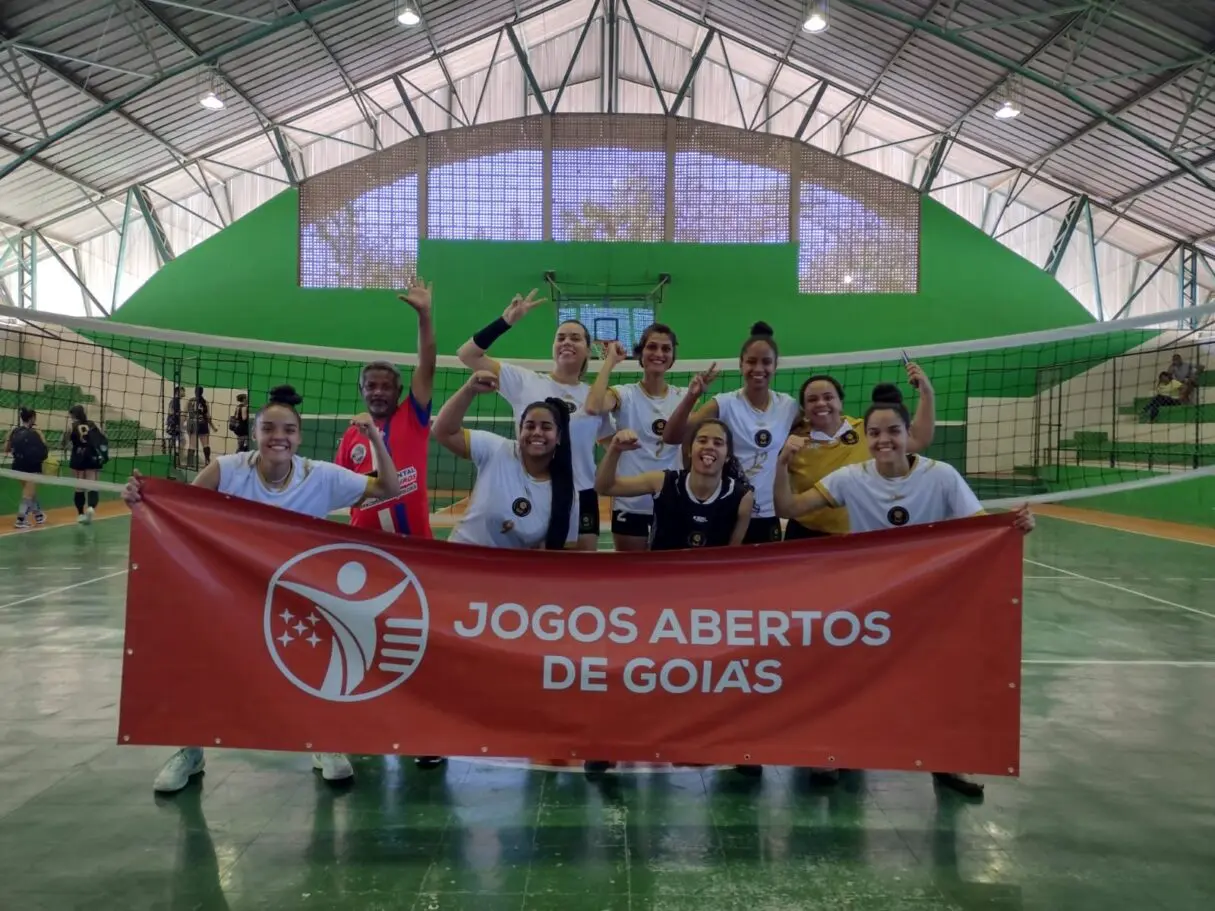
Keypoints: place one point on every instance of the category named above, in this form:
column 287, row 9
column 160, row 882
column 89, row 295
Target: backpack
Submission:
column 28, row 447
column 99, row 442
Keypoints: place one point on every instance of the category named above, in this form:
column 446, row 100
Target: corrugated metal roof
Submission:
column 1145, row 61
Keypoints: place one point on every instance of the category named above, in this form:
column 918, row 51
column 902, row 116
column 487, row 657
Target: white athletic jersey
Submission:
column 758, row 438
column 521, row 387
column 647, row 417
column 932, row 492
column 314, row 489
column 508, row 507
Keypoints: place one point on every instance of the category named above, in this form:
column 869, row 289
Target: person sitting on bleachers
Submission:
column 1186, row 375
column 1168, row 392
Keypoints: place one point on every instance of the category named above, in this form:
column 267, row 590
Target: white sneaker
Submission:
column 177, row 772
column 333, row 766
column 89, row 513
column 82, row 519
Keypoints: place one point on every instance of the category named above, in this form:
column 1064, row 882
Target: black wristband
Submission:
column 491, row 333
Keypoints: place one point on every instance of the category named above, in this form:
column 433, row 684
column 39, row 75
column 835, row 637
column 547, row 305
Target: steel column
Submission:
column 1063, row 236
column 160, row 239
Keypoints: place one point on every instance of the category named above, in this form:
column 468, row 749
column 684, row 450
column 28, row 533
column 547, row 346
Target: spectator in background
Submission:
column 1168, row 392
column 1186, row 375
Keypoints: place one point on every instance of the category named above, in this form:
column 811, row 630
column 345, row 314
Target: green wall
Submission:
column 244, row 281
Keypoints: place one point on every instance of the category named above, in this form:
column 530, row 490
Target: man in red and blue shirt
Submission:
column 405, row 427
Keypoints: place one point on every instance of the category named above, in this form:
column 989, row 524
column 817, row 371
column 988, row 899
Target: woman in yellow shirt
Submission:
column 834, row 440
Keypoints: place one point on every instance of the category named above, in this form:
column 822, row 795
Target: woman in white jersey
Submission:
column 522, row 387
column 644, row 408
column 274, row 475
column 922, row 490
column 759, row 418
column 524, row 495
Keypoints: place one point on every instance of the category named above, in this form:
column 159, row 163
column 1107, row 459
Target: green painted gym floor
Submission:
column 1115, row 808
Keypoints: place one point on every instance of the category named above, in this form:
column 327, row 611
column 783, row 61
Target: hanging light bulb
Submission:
column 1007, row 111
column 407, row 14
column 210, row 91
column 817, row 17
column 1008, row 99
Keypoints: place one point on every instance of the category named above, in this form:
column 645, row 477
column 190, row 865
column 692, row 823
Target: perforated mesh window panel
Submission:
column 731, row 186
column 858, row 230
column 359, row 222
column 609, row 177
column 486, row 182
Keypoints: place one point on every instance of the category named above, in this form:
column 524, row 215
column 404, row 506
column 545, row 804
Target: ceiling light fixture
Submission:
column 1007, row 111
column 817, row 17
column 407, row 14
column 211, row 90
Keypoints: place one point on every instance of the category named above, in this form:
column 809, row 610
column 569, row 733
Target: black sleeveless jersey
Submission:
column 682, row 521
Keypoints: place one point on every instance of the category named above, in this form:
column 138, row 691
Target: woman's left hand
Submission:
column 918, row 379
column 364, row 423
column 1025, row 520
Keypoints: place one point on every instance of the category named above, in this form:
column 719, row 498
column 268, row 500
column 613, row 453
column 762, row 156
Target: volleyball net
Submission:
column 1046, row 416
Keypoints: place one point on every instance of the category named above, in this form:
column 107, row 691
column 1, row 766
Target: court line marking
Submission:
column 14, row 532
column 1123, row 588
column 1127, row 531
column 65, row 588
column 1116, row 662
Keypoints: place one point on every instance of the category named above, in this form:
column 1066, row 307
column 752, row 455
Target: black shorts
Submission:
column 588, row 512
column 762, row 530
column 795, row 531
column 28, row 467
column 85, row 461
column 631, row 524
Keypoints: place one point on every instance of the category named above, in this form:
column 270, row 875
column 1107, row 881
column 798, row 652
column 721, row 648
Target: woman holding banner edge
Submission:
column 275, row 476
column 923, row 491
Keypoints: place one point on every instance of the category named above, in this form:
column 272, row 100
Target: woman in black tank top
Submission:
column 707, row 504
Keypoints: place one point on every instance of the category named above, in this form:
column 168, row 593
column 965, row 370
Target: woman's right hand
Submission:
column 520, row 306
column 702, row 381
column 792, row 447
column 625, row 441
column 614, row 354
column 483, row 381
column 133, row 492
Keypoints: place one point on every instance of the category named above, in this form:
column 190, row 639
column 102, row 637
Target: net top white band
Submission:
column 1170, row 320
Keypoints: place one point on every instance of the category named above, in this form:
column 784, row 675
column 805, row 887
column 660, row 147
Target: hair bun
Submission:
column 285, row 395
column 761, row 330
column 887, row 394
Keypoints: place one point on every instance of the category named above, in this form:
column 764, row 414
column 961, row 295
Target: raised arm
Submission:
column 787, row 503
column 677, row 423
column 608, row 484
column 472, row 353
column 601, row 399
column 924, row 424
column 419, row 297
column 448, row 428
column 386, row 485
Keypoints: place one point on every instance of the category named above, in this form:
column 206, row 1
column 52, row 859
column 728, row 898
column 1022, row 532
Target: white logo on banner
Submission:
column 346, row 622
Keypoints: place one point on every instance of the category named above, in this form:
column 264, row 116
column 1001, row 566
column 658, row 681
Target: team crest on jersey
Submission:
column 358, row 454
column 521, row 507
column 762, row 438
column 849, row 438
column 898, row 516
column 658, row 427
column 696, row 539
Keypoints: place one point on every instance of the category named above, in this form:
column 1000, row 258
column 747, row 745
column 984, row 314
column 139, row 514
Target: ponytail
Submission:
column 561, row 475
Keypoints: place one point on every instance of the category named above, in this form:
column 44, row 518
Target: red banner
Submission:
column 251, row 627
